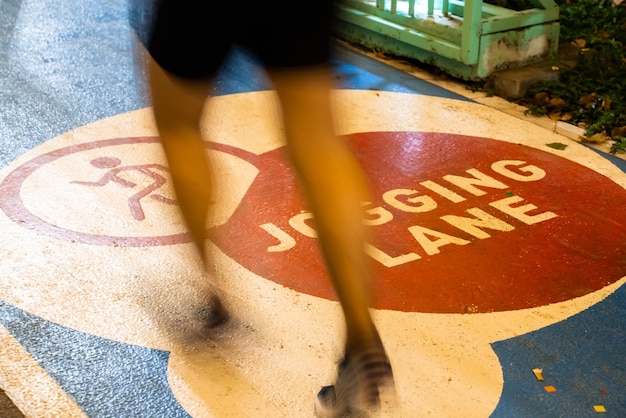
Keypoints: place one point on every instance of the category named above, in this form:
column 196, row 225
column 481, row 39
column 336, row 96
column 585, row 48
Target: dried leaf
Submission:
column 587, row 99
column 606, row 104
column 598, row 138
column 580, row 43
column 603, row 34
column 541, row 98
column 621, row 131
column 557, row 102
column 566, row 117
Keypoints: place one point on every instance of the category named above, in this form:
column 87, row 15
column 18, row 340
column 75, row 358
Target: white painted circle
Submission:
column 128, row 294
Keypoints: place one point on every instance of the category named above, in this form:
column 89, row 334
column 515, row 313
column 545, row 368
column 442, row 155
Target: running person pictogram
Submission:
column 134, row 201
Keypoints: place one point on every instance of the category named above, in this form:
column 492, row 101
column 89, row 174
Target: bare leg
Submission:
column 334, row 187
column 333, row 181
column 178, row 105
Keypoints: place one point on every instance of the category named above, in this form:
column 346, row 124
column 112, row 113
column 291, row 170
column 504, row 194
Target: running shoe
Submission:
column 363, row 374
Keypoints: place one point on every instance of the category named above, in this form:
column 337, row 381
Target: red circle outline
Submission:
column 12, row 205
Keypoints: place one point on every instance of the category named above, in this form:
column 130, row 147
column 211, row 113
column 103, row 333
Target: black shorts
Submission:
column 191, row 38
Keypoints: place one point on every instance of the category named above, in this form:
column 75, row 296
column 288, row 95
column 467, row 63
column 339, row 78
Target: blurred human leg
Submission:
column 178, row 104
column 335, row 187
column 296, row 53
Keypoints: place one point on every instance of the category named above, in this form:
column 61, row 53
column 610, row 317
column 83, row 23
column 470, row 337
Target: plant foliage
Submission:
column 593, row 93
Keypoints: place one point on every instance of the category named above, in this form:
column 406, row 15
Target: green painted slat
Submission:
column 454, row 33
column 437, row 26
column 412, row 8
column 409, row 36
column 519, row 20
column 472, row 29
column 488, row 10
column 431, row 7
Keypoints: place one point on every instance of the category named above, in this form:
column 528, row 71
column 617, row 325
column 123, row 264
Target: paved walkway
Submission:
column 499, row 264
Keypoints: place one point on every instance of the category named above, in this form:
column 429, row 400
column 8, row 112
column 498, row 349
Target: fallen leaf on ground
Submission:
column 598, row 138
column 621, row 131
column 557, row 102
column 587, row 99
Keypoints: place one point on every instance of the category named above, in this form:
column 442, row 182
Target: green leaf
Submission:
column 557, row 145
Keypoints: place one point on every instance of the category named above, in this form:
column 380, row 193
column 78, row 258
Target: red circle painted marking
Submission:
column 540, row 231
column 551, row 237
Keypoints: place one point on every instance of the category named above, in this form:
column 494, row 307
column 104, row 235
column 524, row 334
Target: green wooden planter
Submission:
column 468, row 39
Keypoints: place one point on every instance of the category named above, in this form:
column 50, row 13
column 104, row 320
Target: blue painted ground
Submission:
column 67, row 63
column 583, row 357
column 106, row 378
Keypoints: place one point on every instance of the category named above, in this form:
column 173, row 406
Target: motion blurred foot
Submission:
column 213, row 314
column 363, row 375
